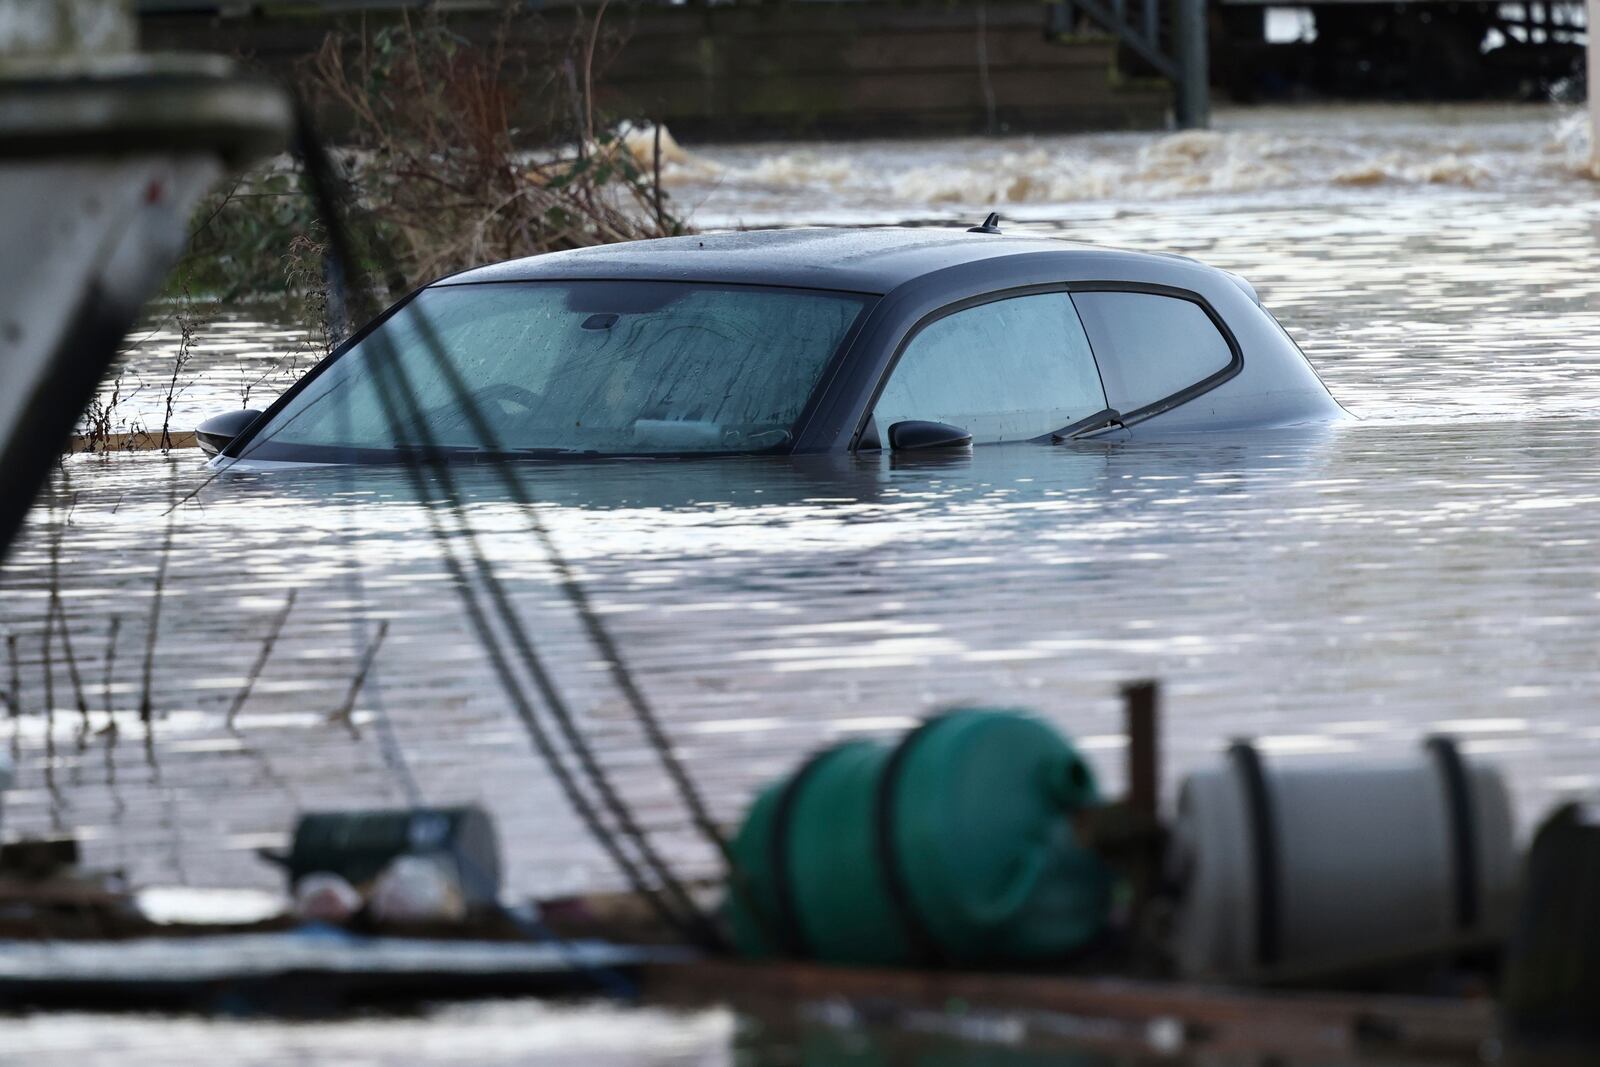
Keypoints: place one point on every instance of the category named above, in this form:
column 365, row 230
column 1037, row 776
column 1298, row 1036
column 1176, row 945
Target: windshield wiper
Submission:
column 1100, row 420
column 490, row 453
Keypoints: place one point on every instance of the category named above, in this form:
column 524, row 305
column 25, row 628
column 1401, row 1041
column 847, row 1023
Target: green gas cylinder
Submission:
column 953, row 846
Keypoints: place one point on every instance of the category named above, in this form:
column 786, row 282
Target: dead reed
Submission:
column 267, row 644
column 346, row 710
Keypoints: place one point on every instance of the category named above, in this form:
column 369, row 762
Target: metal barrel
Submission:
column 1552, row 975
column 950, row 847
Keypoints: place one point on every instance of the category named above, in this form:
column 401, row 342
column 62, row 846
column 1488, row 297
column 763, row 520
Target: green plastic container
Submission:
column 953, row 846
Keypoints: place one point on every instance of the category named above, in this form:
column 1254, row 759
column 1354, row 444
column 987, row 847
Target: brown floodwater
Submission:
column 1339, row 592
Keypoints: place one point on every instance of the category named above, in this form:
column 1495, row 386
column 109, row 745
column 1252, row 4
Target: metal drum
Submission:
column 953, row 846
column 1552, row 977
column 1312, row 866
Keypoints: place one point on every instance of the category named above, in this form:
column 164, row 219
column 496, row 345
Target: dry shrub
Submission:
column 466, row 152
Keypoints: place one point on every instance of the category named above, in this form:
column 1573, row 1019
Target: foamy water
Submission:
column 1291, row 153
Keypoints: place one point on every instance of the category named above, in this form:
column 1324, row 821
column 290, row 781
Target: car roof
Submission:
column 862, row 259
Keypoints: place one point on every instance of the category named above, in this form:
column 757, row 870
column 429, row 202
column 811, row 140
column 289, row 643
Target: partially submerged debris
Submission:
column 420, row 863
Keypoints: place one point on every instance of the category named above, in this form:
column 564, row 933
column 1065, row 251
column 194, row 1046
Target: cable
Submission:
column 395, row 392
column 621, row 675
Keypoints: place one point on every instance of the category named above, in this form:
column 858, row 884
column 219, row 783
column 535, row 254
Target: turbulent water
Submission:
column 1346, row 591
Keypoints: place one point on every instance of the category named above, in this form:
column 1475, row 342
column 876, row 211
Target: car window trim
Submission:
column 953, row 308
column 830, row 369
column 238, row 444
column 1189, row 392
column 1104, row 419
column 1125, row 419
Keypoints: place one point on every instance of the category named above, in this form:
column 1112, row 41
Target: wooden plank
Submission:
column 816, row 93
column 846, row 18
column 300, row 971
column 714, row 127
column 1215, row 1018
column 808, row 53
column 933, row 50
column 269, row 35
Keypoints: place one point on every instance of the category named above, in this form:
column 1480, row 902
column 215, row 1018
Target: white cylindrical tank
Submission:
column 1310, row 865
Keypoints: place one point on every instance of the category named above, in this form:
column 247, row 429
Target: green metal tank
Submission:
column 953, row 846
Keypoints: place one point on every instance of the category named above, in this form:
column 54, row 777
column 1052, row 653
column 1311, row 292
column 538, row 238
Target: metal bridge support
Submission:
column 1192, row 85
column 1180, row 54
column 1592, row 48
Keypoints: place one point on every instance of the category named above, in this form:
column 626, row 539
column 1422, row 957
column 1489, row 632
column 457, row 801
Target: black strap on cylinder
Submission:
column 1263, row 848
column 925, row 947
column 790, row 931
column 1463, row 828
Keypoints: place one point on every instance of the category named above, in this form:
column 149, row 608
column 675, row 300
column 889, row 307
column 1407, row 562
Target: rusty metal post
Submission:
column 1141, row 710
column 1192, row 89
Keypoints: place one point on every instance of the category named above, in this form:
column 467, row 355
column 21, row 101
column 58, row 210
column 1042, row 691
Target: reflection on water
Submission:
column 526, row 1032
column 190, row 361
column 515, row 1032
column 1433, row 567
column 1339, row 591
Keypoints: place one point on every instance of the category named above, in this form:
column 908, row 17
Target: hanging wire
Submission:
column 571, row 587
column 401, row 406
column 396, row 395
column 389, row 748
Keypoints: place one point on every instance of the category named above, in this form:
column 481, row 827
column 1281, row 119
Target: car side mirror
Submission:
column 217, row 432
column 915, row 435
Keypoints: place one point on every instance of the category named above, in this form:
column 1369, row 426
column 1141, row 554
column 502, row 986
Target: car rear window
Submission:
column 1150, row 346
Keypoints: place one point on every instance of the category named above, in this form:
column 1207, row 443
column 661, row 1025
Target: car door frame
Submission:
column 1188, row 392
column 956, row 308
column 903, row 314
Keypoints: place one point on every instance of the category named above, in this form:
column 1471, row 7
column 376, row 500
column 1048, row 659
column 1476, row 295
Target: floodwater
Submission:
column 537, row 1034
column 1333, row 593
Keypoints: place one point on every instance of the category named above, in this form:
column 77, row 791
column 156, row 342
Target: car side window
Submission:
column 1150, row 346
column 1008, row 370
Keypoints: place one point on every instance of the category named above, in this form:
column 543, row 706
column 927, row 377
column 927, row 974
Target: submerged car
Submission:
column 792, row 342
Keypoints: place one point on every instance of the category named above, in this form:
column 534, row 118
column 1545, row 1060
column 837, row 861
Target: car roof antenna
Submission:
column 990, row 224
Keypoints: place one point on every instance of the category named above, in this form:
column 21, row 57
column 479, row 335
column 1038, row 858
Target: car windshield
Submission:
column 619, row 368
